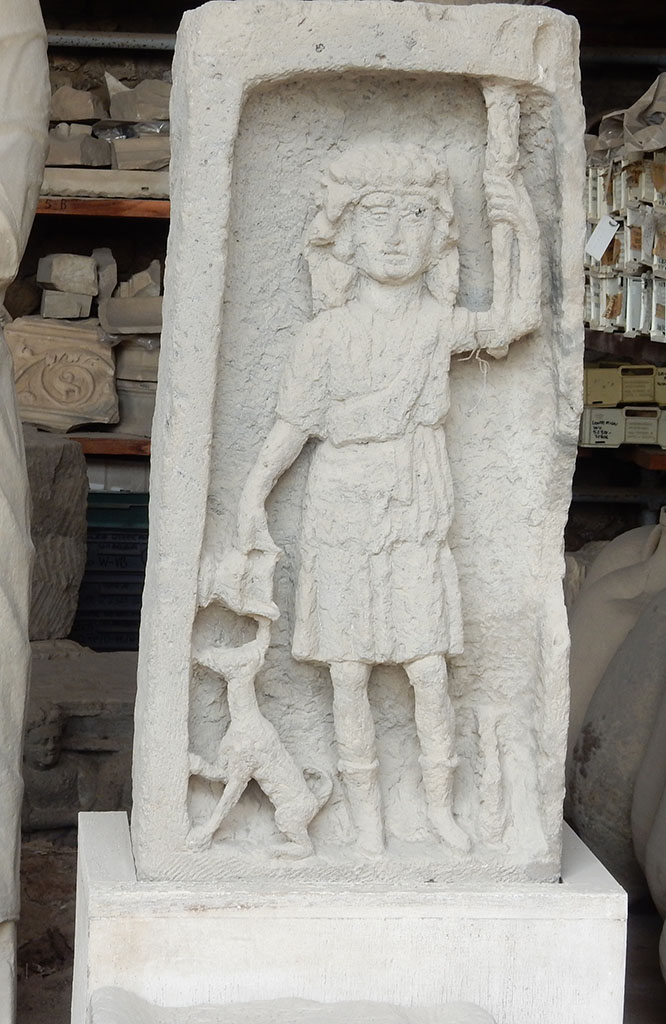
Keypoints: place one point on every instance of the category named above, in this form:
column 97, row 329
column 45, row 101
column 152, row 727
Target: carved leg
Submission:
column 289, row 819
column 358, row 765
column 435, row 726
column 7, row 972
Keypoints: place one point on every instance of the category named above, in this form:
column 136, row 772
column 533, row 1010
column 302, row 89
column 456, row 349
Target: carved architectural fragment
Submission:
column 65, row 373
column 144, row 153
column 58, row 500
column 65, row 305
column 107, row 272
column 140, row 314
column 74, row 145
column 148, row 101
column 69, row 104
column 95, row 182
column 67, row 272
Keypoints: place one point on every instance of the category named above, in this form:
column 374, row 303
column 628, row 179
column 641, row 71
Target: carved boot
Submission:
column 361, row 782
column 438, row 785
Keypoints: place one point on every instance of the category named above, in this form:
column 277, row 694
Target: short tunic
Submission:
column 377, row 581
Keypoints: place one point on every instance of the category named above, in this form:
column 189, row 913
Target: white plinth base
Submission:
column 528, row 954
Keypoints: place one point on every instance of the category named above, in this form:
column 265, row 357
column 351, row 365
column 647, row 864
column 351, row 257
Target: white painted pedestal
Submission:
column 528, row 954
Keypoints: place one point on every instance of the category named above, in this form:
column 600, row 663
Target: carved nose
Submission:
column 394, row 235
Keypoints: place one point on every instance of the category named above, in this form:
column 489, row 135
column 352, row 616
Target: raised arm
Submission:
column 516, row 306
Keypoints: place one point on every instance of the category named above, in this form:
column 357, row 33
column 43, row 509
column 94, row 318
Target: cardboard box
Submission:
column 604, row 191
column 595, row 302
column 637, row 382
column 608, row 384
column 615, row 190
column 633, row 248
column 647, row 186
column 641, row 424
column 633, row 287
column 602, row 428
column 660, row 387
column 592, row 184
column 630, row 185
column 603, row 385
column 658, row 175
column 659, row 245
column 587, row 301
column 658, row 324
column 612, row 304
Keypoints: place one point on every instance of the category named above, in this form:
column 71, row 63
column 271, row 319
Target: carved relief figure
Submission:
column 24, row 99
column 368, row 379
column 61, row 783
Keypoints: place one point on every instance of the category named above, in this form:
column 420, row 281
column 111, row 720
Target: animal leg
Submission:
column 201, row 836
column 217, row 772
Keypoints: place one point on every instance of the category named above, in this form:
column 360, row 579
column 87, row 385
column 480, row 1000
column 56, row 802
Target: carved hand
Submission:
column 504, row 206
column 252, row 530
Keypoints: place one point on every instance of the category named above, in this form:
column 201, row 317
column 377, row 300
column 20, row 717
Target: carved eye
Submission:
column 417, row 213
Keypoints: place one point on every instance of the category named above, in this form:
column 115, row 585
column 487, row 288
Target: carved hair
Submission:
column 45, row 715
column 379, row 167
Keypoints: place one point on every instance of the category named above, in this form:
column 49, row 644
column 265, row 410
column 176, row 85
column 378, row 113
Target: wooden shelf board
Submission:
column 112, row 444
column 645, row 456
column 104, row 207
column 640, row 349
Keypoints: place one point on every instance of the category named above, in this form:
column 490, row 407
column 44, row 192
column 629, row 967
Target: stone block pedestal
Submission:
column 526, row 953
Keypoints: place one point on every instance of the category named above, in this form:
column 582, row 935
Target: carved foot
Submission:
column 297, row 847
column 449, row 831
column 362, row 788
column 370, row 841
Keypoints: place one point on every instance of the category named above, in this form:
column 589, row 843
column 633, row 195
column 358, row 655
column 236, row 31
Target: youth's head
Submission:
column 386, row 212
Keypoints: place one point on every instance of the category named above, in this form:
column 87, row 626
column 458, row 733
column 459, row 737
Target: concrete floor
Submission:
column 46, row 943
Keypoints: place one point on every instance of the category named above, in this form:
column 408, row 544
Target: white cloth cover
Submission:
column 24, row 99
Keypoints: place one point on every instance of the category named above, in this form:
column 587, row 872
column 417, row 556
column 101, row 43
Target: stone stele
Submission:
column 24, row 102
column 353, row 657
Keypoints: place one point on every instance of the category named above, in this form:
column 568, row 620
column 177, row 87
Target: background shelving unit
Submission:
column 100, row 207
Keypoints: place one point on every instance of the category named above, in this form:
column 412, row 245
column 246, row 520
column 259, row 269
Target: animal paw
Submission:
column 199, row 838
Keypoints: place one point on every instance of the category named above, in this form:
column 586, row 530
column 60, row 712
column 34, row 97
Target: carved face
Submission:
column 42, row 746
column 392, row 236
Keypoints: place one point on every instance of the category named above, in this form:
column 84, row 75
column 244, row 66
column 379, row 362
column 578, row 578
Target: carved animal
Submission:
column 252, row 749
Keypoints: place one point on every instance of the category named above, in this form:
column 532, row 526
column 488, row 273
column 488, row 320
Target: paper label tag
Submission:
column 601, row 237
